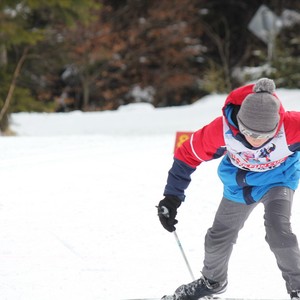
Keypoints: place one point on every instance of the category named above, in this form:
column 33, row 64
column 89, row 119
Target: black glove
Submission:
column 167, row 211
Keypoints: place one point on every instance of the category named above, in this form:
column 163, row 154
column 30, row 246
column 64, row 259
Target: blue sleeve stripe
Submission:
column 179, row 179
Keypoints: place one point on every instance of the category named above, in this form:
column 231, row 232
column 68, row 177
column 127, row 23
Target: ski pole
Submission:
column 164, row 211
column 183, row 254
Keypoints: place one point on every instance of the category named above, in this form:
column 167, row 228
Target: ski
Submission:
column 207, row 298
column 204, row 298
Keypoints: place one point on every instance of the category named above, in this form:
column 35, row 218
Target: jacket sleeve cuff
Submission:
column 179, row 178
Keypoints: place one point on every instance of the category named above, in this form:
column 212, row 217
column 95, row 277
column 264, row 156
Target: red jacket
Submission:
column 209, row 143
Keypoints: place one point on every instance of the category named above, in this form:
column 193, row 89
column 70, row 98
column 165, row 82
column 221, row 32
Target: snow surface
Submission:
column 77, row 210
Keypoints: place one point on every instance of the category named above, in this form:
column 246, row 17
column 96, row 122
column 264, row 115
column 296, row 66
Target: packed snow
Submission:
column 77, row 211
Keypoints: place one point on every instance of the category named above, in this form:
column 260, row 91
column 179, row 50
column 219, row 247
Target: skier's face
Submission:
column 255, row 142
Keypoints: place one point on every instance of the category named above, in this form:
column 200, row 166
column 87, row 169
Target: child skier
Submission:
column 260, row 144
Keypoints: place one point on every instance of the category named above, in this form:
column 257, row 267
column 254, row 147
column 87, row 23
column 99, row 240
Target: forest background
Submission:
column 64, row 55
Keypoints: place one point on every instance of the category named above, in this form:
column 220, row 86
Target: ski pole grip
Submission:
column 164, row 211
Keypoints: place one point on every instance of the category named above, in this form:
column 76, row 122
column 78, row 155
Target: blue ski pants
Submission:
column 229, row 220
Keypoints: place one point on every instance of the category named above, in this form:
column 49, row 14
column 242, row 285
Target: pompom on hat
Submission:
column 258, row 116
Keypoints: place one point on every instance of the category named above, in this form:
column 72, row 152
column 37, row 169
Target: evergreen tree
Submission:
column 23, row 25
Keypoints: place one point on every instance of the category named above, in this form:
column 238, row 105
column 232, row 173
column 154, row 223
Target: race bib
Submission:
column 269, row 156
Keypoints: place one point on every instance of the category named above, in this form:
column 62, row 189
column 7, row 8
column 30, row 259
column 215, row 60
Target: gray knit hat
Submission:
column 258, row 116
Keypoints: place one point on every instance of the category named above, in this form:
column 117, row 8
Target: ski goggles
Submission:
column 257, row 135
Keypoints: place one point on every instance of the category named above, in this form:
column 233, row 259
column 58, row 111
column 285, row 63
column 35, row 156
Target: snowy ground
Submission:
column 77, row 210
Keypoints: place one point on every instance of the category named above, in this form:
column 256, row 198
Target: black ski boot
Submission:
column 198, row 289
column 295, row 295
